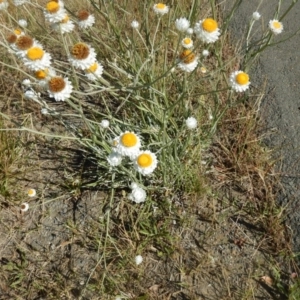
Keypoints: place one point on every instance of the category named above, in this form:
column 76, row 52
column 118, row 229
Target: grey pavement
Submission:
column 280, row 108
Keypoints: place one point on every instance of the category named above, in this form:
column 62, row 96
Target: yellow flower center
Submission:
column 160, row 6
column 92, row 68
column 242, row 78
column 56, row 84
column 40, row 74
column 80, row 51
column 276, row 25
column 35, row 53
column 129, row 139
column 65, row 19
column 31, row 192
column 144, row 160
column 187, row 41
column 209, row 25
column 52, row 7
column 187, row 56
column 17, row 31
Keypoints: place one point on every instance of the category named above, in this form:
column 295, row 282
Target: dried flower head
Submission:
column 187, row 56
column 56, row 84
column 80, row 51
column 85, row 19
column 24, row 207
column 24, row 42
column 82, row 56
column 12, row 38
column 83, row 15
column 59, row 88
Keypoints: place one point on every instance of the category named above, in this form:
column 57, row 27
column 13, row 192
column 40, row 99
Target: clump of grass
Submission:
column 188, row 110
column 10, row 151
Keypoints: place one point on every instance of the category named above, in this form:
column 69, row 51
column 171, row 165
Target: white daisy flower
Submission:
column 182, row 24
column 205, row 53
column 207, row 30
column 191, row 123
column 187, row 43
column 24, row 207
column 54, row 11
column 145, row 162
column 94, row 71
column 160, row 9
column 138, row 195
column 22, row 23
column 127, row 144
column 138, row 259
column 239, row 81
column 31, row 192
column 26, row 82
column 3, row 4
column 114, row 159
column 188, row 61
column 276, row 26
column 104, row 124
column 19, row 2
column 30, row 95
column 190, row 31
column 82, row 56
column 256, row 15
column 65, row 26
column 85, row 19
column 135, row 24
column 59, row 88
column 36, row 58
